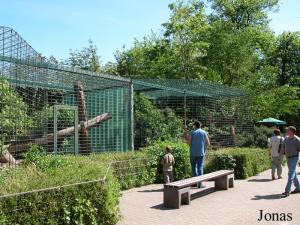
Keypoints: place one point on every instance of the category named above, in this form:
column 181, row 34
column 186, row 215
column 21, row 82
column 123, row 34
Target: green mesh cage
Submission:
column 30, row 87
column 223, row 111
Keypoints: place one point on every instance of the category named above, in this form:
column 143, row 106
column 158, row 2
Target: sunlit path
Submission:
column 240, row 205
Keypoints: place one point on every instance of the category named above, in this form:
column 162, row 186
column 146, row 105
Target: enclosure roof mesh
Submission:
column 179, row 87
column 18, row 57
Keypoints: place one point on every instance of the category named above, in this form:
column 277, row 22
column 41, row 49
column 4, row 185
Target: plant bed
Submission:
column 59, row 190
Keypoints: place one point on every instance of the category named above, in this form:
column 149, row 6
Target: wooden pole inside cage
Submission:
column 19, row 146
column 84, row 143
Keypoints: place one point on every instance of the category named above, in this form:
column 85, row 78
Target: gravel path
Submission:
column 240, row 205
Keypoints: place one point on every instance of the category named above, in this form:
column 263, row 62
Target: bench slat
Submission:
column 194, row 180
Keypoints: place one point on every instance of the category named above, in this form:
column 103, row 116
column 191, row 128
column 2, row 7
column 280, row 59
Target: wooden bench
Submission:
column 178, row 192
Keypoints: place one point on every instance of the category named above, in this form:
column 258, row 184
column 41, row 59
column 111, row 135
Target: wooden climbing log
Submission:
column 16, row 147
column 84, row 143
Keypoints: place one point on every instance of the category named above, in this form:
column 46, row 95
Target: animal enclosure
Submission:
column 223, row 111
column 65, row 110
column 75, row 111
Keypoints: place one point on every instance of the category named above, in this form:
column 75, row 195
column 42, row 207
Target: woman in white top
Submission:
column 275, row 145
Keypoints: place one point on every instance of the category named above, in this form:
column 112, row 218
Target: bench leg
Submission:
column 186, row 198
column 231, row 180
column 222, row 183
column 172, row 198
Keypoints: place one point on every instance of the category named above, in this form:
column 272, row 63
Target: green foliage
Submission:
column 130, row 168
column 276, row 102
column 90, row 203
column 261, row 136
column 43, row 119
column 153, row 124
column 180, row 152
column 86, row 59
column 13, row 112
column 225, row 162
column 246, row 162
column 187, row 28
column 97, row 202
column 234, row 41
column 285, row 58
column 245, row 140
column 36, row 155
column 244, row 13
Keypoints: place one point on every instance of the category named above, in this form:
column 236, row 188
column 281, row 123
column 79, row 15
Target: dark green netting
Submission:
column 224, row 111
column 41, row 85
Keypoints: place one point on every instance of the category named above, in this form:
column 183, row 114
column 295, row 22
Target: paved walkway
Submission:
column 237, row 206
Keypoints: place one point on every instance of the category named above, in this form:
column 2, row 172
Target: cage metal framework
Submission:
column 50, row 105
column 223, row 111
column 33, row 92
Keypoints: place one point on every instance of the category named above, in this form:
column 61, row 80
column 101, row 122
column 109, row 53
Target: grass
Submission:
column 74, row 169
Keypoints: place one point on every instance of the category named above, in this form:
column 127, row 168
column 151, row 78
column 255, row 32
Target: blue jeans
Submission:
column 197, row 163
column 292, row 176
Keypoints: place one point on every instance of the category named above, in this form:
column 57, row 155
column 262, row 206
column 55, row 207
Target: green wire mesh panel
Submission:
column 223, row 111
column 30, row 87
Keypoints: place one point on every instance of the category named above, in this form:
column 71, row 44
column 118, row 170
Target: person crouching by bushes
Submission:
column 168, row 163
column 275, row 146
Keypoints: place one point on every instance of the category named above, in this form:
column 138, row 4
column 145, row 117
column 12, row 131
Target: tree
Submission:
column 153, row 124
column 187, row 31
column 175, row 54
column 243, row 13
column 13, row 112
column 86, row 59
column 277, row 102
column 152, row 57
column 232, row 57
column 285, row 59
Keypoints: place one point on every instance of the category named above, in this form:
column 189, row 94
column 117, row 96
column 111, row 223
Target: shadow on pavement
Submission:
column 198, row 194
column 267, row 197
column 202, row 193
column 152, row 190
column 161, row 207
column 260, row 180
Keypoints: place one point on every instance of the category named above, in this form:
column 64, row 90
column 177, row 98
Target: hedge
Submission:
column 246, row 162
column 97, row 202
column 87, row 203
column 143, row 167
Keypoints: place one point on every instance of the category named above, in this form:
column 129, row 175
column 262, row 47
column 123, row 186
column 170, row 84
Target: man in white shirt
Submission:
column 275, row 146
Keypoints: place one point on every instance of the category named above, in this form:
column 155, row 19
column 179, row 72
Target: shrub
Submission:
column 153, row 124
column 246, row 162
column 245, row 140
column 13, row 112
column 261, row 135
column 36, row 155
column 225, row 162
column 130, row 168
column 44, row 119
column 87, row 203
column 180, row 151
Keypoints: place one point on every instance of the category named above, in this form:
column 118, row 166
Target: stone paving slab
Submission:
column 240, row 205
